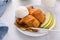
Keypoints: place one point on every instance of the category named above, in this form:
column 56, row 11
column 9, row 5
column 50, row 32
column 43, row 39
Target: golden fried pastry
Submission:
column 20, row 22
column 39, row 15
column 30, row 9
column 31, row 21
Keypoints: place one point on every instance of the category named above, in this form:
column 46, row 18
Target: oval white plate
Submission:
column 41, row 32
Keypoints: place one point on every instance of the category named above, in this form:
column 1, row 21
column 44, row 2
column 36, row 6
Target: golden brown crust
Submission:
column 31, row 21
column 39, row 15
column 30, row 9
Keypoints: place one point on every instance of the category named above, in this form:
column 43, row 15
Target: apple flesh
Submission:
column 53, row 25
column 49, row 23
column 48, row 18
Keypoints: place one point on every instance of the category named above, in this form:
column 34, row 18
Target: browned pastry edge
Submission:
column 25, row 29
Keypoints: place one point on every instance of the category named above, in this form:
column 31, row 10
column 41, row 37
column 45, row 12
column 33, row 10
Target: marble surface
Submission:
column 14, row 34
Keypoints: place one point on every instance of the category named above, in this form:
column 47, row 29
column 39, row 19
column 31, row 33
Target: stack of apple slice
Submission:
column 49, row 22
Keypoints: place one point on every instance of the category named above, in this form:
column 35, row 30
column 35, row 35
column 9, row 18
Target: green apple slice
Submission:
column 53, row 24
column 50, row 23
column 48, row 18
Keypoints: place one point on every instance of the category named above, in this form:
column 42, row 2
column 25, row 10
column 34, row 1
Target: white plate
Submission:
column 41, row 32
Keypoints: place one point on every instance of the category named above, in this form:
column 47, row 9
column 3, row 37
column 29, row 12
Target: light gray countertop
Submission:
column 14, row 34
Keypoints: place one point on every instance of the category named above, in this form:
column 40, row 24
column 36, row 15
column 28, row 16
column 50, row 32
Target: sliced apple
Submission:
column 53, row 24
column 48, row 18
column 50, row 23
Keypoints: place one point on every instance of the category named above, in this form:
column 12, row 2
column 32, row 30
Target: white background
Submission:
column 14, row 34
